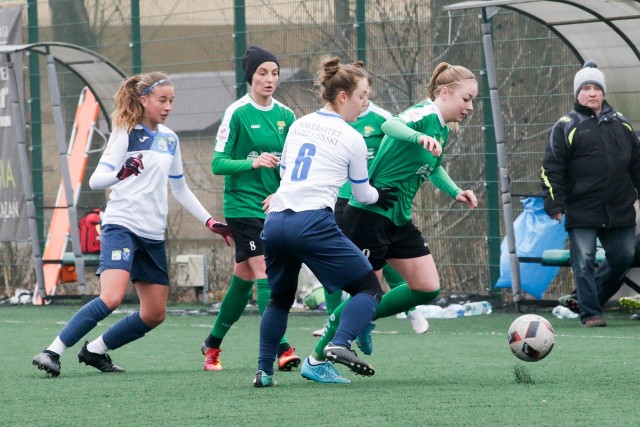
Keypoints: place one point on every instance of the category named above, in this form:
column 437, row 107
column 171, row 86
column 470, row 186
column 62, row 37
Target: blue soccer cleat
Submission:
column 263, row 380
column 325, row 372
column 364, row 341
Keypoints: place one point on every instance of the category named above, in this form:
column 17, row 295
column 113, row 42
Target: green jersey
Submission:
column 369, row 125
column 248, row 130
column 403, row 163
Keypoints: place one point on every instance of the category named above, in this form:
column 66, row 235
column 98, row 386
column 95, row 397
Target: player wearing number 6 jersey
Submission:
column 321, row 152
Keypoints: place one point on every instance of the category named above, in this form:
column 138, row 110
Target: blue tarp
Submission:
column 534, row 233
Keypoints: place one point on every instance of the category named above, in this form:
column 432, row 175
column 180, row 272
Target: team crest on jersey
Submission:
column 281, row 124
column 252, row 155
column 126, row 254
column 162, row 144
column 172, row 143
column 368, row 130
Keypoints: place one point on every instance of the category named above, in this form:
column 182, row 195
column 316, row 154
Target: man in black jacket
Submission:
column 591, row 174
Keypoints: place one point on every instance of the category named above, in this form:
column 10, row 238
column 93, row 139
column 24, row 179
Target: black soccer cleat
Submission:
column 101, row 362
column 348, row 358
column 49, row 362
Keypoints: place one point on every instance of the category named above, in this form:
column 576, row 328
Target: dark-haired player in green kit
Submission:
column 248, row 148
column 410, row 153
column 369, row 125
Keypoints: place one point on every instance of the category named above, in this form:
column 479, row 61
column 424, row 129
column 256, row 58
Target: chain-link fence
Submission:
column 401, row 41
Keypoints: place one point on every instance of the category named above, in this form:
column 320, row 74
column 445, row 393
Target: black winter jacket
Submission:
column 591, row 169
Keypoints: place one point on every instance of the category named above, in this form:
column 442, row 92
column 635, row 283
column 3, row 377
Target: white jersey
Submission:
column 320, row 153
column 139, row 203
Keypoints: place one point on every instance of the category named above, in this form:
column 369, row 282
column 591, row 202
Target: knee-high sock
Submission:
column 83, row 321
column 392, row 277
column 402, row 299
column 332, row 301
column 232, row 307
column 272, row 327
column 125, row 330
column 395, row 301
column 356, row 315
column 264, row 294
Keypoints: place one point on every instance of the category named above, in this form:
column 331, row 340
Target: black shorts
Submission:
column 341, row 205
column 246, row 236
column 380, row 239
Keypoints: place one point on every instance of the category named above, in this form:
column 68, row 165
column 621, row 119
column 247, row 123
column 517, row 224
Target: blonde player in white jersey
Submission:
column 321, row 152
column 132, row 244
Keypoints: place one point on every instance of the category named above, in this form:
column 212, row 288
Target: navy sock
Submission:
column 83, row 321
column 124, row 331
column 356, row 315
column 272, row 328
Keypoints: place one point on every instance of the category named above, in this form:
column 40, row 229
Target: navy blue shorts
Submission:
column 310, row 237
column 144, row 259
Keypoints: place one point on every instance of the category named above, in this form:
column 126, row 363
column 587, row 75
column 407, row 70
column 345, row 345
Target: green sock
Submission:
column 395, row 301
column 332, row 301
column 264, row 294
column 232, row 307
column 401, row 299
column 392, row 277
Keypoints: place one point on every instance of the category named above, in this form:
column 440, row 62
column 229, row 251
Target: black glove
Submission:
column 386, row 197
column 132, row 166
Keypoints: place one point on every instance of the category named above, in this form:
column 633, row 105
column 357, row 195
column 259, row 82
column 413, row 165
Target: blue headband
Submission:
column 150, row 88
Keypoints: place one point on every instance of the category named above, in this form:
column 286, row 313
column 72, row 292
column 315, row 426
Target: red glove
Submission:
column 132, row 166
column 220, row 228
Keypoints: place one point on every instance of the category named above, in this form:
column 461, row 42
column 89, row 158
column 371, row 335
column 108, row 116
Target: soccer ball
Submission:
column 531, row 337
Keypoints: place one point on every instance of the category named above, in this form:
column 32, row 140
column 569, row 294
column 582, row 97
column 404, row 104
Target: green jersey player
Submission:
column 410, row 154
column 247, row 152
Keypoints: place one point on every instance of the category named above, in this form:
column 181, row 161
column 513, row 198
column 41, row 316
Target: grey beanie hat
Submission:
column 589, row 74
column 252, row 59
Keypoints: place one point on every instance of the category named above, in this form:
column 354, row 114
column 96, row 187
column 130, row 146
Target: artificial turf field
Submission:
column 459, row 374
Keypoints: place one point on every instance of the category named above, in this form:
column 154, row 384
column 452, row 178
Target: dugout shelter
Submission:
column 607, row 31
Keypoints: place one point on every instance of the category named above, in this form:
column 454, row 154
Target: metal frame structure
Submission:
column 103, row 78
column 605, row 31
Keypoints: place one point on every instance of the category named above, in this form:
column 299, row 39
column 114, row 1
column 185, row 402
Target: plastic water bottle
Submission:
column 475, row 308
column 562, row 312
column 453, row 310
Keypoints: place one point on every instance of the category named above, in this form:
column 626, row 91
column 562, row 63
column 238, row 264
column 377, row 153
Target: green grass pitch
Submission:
column 461, row 373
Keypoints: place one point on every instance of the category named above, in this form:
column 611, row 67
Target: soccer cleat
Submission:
column 630, row 303
column 364, row 341
column 288, row 360
column 211, row 358
column 320, row 332
column 49, row 362
column 419, row 324
column 263, row 380
column 325, row 372
column 572, row 304
column 101, row 362
column 347, row 357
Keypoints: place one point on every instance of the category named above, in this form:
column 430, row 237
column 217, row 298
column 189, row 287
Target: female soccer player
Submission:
column 248, row 148
column 321, row 152
column 410, row 153
column 369, row 125
column 134, row 222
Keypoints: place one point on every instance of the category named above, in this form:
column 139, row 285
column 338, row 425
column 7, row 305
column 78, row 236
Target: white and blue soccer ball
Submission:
column 531, row 337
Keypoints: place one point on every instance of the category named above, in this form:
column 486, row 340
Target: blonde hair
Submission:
column 447, row 75
column 336, row 77
column 128, row 108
